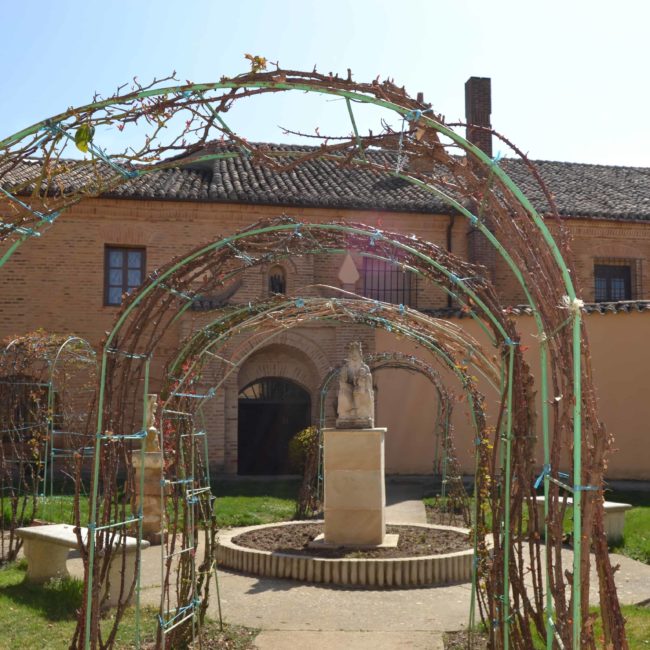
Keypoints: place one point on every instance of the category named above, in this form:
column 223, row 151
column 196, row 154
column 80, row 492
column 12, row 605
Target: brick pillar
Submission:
column 478, row 108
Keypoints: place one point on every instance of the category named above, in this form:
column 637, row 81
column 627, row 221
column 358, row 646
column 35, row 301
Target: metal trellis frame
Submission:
column 505, row 217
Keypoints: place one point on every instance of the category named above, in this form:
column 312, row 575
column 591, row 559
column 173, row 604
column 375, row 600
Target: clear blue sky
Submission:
column 569, row 79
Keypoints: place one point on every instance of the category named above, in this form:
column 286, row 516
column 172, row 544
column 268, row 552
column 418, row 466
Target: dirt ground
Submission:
column 413, row 541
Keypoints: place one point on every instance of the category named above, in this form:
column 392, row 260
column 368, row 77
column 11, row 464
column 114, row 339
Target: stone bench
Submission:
column 614, row 517
column 46, row 549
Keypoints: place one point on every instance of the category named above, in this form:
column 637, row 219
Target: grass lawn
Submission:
column 637, row 627
column 246, row 503
column 59, row 509
column 33, row 616
column 238, row 503
column 636, row 536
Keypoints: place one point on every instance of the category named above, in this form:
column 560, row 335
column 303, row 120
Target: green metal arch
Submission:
column 244, row 319
column 228, row 241
column 273, row 86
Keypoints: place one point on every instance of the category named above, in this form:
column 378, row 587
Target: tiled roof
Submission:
column 580, row 190
column 602, row 308
column 313, row 183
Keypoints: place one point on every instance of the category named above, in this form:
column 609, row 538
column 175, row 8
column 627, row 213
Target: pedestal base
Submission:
column 152, row 523
column 355, row 496
column 390, row 541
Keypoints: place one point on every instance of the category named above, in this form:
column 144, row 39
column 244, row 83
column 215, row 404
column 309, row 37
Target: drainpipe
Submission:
column 450, row 228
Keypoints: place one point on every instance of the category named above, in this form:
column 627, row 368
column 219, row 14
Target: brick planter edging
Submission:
column 366, row 572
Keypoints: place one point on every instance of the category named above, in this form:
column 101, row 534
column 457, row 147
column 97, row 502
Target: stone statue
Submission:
column 151, row 441
column 356, row 408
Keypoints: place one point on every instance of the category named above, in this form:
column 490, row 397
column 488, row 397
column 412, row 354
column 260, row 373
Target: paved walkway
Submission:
column 325, row 640
column 297, row 615
column 404, row 504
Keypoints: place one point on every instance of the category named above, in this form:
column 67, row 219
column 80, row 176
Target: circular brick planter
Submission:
column 363, row 572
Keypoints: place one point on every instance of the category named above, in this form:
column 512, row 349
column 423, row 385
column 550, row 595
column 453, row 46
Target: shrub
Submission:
column 299, row 447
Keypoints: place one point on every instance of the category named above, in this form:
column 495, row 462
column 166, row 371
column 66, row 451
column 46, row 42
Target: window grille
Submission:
column 389, row 283
column 123, row 271
column 274, row 390
column 277, row 280
column 617, row 279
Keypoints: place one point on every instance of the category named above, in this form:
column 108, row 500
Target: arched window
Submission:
column 271, row 411
column 277, row 280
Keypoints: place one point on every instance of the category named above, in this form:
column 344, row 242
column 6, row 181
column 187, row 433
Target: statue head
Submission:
column 355, row 351
column 152, row 409
column 151, row 440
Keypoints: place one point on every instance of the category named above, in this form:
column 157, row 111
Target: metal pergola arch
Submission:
column 371, row 312
column 162, row 278
column 201, row 345
column 388, row 96
column 381, row 361
column 46, row 380
column 240, row 252
column 85, row 353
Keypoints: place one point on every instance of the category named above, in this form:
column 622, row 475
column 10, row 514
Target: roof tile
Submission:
column 579, row 190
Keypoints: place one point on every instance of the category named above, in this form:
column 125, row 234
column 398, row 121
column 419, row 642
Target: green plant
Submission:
column 299, row 447
column 636, row 535
column 246, row 503
column 308, row 441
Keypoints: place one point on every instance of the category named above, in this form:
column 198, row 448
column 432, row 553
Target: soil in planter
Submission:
column 413, row 541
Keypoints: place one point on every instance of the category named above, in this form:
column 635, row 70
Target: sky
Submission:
column 569, row 79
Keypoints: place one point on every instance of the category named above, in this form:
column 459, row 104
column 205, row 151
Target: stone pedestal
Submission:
column 152, row 524
column 355, row 496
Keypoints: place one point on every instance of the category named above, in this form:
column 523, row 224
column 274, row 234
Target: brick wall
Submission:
column 593, row 240
column 56, row 282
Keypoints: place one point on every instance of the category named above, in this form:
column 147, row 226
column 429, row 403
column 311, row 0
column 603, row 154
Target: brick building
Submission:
column 72, row 279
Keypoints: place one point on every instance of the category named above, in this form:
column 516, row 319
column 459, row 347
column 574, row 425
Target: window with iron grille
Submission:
column 389, row 283
column 617, row 279
column 277, row 280
column 275, row 390
column 124, row 270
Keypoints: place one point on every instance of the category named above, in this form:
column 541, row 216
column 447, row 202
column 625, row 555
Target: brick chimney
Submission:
column 478, row 108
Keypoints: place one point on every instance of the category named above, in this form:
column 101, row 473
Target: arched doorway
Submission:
column 271, row 411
